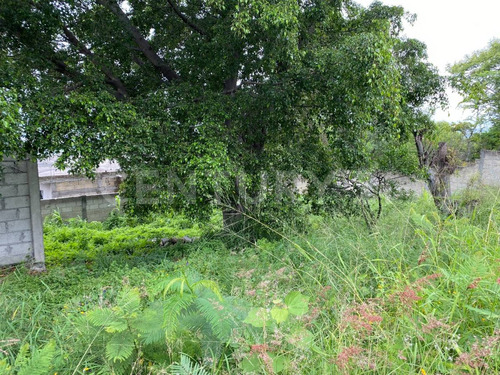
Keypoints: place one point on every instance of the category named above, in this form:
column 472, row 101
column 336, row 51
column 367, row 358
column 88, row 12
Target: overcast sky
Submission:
column 451, row 29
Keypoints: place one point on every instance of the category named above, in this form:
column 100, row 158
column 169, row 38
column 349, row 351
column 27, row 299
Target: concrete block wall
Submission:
column 464, row 175
column 489, row 168
column 88, row 207
column 486, row 171
column 21, row 235
column 64, row 186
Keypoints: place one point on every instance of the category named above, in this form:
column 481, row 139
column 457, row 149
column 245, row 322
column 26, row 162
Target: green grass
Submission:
column 418, row 293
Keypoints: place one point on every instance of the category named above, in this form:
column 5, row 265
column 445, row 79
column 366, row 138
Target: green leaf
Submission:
column 129, row 301
column 101, row 317
column 279, row 362
column 150, row 324
column 217, row 317
column 187, row 366
column 170, row 283
column 251, row 364
column 257, row 317
column 118, row 325
column 5, row 368
column 254, row 364
column 40, row 361
column 22, row 356
column 279, row 314
column 209, row 284
column 107, row 318
column 488, row 313
column 297, row 303
column 120, row 347
column 172, row 308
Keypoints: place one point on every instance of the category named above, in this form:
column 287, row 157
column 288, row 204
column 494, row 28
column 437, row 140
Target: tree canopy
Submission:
column 477, row 79
column 216, row 93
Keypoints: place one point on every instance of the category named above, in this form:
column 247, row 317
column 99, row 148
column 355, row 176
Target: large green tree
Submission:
column 477, row 79
column 217, row 94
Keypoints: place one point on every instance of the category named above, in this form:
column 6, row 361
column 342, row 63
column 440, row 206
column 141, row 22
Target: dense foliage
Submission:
column 204, row 100
column 418, row 294
column 477, row 79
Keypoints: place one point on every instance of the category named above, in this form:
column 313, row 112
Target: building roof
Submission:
column 46, row 168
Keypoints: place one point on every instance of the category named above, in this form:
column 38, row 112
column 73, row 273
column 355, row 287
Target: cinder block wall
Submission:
column 489, row 168
column 21, row 235
column 65, row 186
column 486, row 170
column 90, row 207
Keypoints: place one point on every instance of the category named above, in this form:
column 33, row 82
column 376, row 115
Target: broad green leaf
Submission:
column 279, row 362
column 251, row 364
column 255, row 365
column 257, row 317
column 279, row 314
column 297, row 303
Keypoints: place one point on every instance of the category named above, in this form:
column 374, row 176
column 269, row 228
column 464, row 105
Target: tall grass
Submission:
column 417, row 293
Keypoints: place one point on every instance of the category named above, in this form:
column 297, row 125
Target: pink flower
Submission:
column 361, row 317
column 258, row 348
column 474, row 284
column 345, row 356
column 433, row 324
column 481, row 350
column 426, row 280
column 408, row 296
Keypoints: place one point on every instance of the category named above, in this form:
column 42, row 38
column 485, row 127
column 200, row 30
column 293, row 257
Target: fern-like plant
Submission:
column 184, row 306
column 127, row 325
column 197, row 305
column 38, row 363
column 186, row 366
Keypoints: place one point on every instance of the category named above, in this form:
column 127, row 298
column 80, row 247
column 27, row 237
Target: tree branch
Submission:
column 185, row 19
column 160, row 65
column 43, row 51
column 111, row 79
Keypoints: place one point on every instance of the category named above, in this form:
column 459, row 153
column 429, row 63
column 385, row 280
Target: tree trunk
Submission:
column 439, row 186
column 439, row 169
column 439, row 178
column 233, row 210
column 233, row 213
